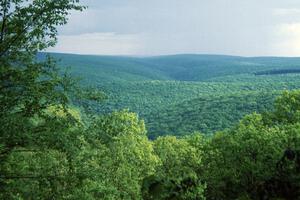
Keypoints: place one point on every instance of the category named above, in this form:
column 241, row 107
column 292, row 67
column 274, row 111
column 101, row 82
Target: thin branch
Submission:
column 17, row 37
column 3, row 21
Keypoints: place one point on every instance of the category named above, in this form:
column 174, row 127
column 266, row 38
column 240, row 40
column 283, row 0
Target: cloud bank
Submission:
column 142, row 27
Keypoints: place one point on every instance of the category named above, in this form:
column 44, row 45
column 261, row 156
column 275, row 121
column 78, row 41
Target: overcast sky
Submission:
column 156, row 27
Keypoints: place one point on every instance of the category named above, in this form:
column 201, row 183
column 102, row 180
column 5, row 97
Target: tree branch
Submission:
column 3, row 21
column 17, row 36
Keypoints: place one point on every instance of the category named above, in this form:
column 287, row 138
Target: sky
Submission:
column 163, row 27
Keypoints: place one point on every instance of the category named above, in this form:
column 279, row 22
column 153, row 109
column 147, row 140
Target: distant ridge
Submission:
column 180, row 67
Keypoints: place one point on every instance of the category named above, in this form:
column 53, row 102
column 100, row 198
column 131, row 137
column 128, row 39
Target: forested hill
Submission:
column 185, row 67
column 180, row 94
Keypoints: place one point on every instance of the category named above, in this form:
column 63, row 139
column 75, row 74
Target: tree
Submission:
column 117, row 159
column 28, row 86
column 287, row 109
column 110, row 126
column 240, row 161
column 29, row 135
column 259, row 158
column 176, row 177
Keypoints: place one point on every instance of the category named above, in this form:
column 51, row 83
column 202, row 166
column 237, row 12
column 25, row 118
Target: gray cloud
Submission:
column 241, row 27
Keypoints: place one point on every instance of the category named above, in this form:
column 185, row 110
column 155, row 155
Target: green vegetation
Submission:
column 182, row 94
column 208, row 114
column 52, row 149
column 279, row 71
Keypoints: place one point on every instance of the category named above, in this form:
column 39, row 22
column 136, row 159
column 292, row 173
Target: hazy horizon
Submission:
column 165, row 55
column 153, row 28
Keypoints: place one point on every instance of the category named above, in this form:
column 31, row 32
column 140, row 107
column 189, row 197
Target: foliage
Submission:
column 50, row 149
column 117, row 123
column 116, row 167
column 258, row 159
column 177, row 177
column 37, row 147
column 183, row 93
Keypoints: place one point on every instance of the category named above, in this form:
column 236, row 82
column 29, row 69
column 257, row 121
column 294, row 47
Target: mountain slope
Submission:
column 179, row 94
column 207, row 114
column 176, row 67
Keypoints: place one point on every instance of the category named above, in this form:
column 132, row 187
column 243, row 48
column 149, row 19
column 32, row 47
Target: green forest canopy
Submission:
column 182, row 94
column 50, row 148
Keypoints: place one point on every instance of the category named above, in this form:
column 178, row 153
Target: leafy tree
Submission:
column 259, row 158
column 240, row 161
column 116, row 165
column 107, row 127
column 177, row 177
column 36, row 147
column 287, row 108
column 26, row 28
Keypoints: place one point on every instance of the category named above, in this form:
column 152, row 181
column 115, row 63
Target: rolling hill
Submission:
column 180, row 94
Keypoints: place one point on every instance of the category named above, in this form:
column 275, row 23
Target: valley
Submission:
column 182, row 94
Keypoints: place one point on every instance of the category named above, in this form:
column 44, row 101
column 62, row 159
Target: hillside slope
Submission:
column 207, row 114
column 174, row 67
column 179, row 94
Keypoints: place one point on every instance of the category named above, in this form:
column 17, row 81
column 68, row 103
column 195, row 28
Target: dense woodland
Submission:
column 54, row 145
column 182, row 94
